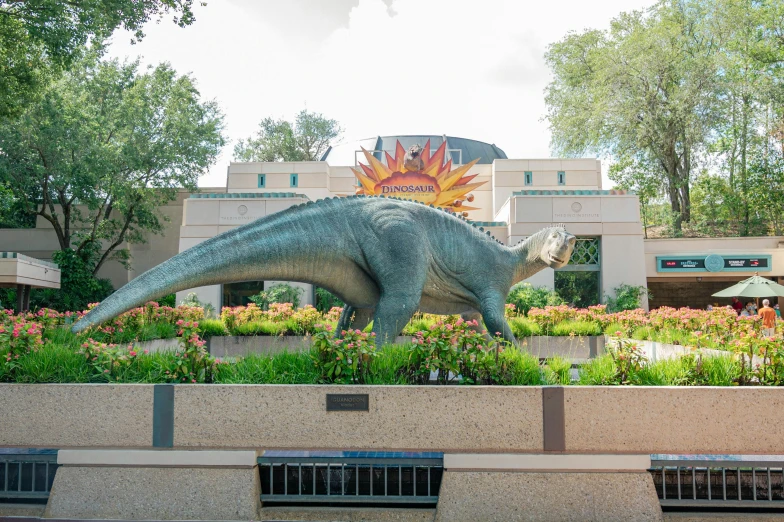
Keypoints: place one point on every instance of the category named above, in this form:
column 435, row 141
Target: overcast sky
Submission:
column 473, row 69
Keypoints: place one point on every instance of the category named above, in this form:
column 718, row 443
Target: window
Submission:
column 561, row 177
column 262, row 180
column 529, row 177
column 293, row 181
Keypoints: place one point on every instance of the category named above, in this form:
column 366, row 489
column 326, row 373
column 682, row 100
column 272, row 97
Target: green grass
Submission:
column 388, row 367
column 281, row 368
column 522, row 327
column 719, row 370
column 666, row 372
column 580, row 328
column 53, row 363
column 260, row 328
column 520, row 368
column 598, row 371
column 212, row 328
column 557, row 370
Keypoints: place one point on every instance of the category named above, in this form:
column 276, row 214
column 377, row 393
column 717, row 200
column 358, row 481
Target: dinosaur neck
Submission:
column 528, row 260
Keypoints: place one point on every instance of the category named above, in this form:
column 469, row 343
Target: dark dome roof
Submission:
column 461, row 150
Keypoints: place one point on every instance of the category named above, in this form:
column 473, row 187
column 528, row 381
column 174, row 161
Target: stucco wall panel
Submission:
column 75, row 415
column 534, row 210
column 674, row 420
column 400, row 417
column 201, row 212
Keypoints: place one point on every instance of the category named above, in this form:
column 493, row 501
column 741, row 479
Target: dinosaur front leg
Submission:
column 493, row 315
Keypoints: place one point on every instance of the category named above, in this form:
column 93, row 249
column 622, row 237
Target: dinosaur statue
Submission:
column 382, row 256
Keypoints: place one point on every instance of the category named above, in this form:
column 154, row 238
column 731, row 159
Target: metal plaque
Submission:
column 348, row 402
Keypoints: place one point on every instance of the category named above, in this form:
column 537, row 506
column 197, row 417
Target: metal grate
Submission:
column 349, row 477
column 26, row 475
column 586, row 252
column 719, row 480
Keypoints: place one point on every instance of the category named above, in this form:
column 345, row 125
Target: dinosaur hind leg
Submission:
column 392, row 314
column 353, row 317
column 476, row 316
column 400, row 268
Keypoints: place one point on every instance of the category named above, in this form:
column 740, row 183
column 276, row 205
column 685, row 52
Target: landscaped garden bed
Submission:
column 38, row 347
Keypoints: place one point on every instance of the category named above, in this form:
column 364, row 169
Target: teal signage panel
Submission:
column 714, row 263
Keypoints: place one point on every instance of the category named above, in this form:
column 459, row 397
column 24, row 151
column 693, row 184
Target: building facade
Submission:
column 511, row 198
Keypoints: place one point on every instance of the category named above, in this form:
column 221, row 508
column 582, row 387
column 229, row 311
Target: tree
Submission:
column 41, row 38
column 640, row 91
column 633, row 174
column 278, row 140
column 749, row 91
column 104, row 148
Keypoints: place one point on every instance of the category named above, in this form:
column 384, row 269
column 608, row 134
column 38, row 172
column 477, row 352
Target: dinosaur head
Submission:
column 557, row 246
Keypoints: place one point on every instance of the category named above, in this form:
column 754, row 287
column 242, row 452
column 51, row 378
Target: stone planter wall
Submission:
column 428, row 418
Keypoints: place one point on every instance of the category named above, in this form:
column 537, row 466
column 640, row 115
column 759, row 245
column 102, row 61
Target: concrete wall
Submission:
column 509, row 176
column 595, row 419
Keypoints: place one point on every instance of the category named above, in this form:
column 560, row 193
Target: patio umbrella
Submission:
column 755, row 286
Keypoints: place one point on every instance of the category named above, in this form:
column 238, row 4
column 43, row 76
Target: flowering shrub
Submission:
column 108, row 361
column 344, row 360
column 192, row 364
column 304, row 319
column 451, row 350
column 18, row 338
column 627, row 358
column 334, row 314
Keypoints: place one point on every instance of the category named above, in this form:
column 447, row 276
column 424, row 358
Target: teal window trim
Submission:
column 529, row 177
column 262, row 180
column 293, row 180
column 561, row 177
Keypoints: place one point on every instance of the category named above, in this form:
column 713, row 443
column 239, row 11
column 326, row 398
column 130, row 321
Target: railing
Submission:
column 456, row 155
column 719, row 480
column 26, row 475
column 348, row 477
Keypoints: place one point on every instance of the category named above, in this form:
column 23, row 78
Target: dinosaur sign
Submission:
column 418, row 175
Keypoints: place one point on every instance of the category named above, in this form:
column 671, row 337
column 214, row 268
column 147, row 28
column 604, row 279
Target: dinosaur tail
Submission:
column 223, row 258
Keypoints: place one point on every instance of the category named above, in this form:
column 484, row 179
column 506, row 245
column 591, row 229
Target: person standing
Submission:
column 737, row 305
column 768, row 315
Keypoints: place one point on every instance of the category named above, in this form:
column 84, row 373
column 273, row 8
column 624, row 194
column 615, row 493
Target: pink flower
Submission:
column 132, row 353
column 146, row 352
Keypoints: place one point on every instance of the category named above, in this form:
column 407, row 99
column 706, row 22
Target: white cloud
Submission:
column 470, row 69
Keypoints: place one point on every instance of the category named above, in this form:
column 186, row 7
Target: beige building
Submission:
column 517, row 198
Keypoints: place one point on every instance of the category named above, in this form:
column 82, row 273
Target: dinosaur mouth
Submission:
column 556, row 259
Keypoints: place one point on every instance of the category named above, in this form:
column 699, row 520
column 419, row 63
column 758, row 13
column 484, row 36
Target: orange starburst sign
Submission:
column 429, row 181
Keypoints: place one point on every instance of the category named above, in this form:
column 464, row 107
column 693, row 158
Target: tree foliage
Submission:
column 41, row 38
column 686, row 95
column 104, row 148
column 524, row 296
column 307, row 139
